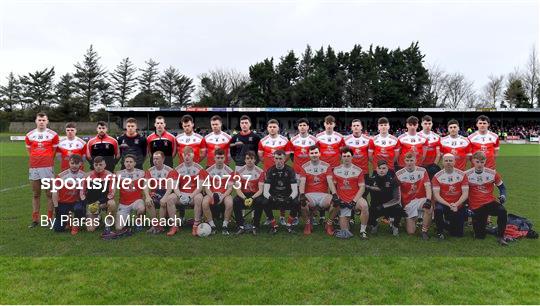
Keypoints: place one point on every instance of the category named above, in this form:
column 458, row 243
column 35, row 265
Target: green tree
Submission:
column 123, row 81
column 515, row 94
column 148, row 99
column 223, row 88
column 287, row 76
column 88, row 76
column 262, row 89
column 70, row 106
column 10, row 94
column 167, row 84
column 38, row 87
column 149, row 77
column 184, row 89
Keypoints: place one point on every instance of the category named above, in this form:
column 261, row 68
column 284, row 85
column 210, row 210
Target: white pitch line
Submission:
column 13, row 188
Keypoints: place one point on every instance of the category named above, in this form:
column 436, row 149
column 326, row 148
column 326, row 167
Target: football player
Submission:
column 103, row 145
column 69, row 145
column 163, row 141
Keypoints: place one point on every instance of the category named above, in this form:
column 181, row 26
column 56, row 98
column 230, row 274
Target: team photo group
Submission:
column 417, row 179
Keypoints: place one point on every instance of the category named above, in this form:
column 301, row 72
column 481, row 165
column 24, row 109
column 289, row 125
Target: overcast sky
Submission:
column 476, row 38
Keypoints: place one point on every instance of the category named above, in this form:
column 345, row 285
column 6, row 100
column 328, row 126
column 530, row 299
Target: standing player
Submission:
column 103, row 145
column 280, row 191
column 271, row 143
column 163, row 141
column 481, row 199
column 133, row 144
column 217, row 139
column 130, row 197
column 65, row 199
column 415, row 190
column 433, row 153
column 412, row 142
column 250, row 192
column 384, row 146
column 315, row 176
column 157, row 196
column 359, row 143
column 347, row 187
column 69, row 145
column 301, row 143
column 456, row 145
column 483, row 140
column 218, row 192
column 100, row 194
column 243, row 142
column 189, row 138
column 189, row 192
column 329, row 143
column 385, row 198
column 450, row 190
column 41, row 144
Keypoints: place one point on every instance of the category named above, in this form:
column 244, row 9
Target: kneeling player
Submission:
column 101, row 192
column 67, row 198
column 250, row 192
column 189, row 193
column 157, row 192
column 415, row 192
column 218, row 192
column 481, row 199
column 450, row 190
column 280, row 191
column 315, row 176
column 347, row 187
column 130, row 193
column 385, row 199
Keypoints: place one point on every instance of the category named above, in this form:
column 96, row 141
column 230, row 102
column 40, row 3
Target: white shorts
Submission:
column 125, row 210
column 35, row 174
column 182, row 200
column 316, row 198
column 414, row 208
column 345, row 212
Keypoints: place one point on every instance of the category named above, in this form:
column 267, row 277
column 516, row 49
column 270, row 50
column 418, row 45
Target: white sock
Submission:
column 211, row 222
column 225, row 223
column 363, row 227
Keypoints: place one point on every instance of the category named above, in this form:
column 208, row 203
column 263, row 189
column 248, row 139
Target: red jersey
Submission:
column 383, row 148
column 329, row 146
column 195, row 141
column 219, row 178
column 268, row 145
column 134, row 191
column 487, row 143
column 300, row 147
column 450, row 185
column 315, row 175
column 481, row 186
column 250, row 178
column 72, row 194
column 159, row 177
column 412, row 184
column 191, row 177
column 67, row 147
column 360, row 147
column 214, row 141
column 411, row 143
column 41, row 147
column 433, row 142
column 458, row 146
column 347, row 181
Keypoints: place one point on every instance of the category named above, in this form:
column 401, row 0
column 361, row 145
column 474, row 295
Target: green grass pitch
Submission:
column 39, row 266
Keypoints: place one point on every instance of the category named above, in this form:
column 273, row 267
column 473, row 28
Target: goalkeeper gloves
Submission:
column 248, row 202
column 502, row 199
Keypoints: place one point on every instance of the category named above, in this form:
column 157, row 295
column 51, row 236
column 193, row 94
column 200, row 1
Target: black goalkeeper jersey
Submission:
column 250, row 143
column 388, row 185
column 135, row 145
column 280, row 181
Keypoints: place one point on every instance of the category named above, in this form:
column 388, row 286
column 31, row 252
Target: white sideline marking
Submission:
column 13, row 188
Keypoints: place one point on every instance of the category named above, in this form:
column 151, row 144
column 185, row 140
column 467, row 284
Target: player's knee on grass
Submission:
column 111, row 207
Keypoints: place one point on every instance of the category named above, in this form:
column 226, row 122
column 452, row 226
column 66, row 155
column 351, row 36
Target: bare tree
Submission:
column 457, row 91
column 436, row 86
column 531, row 76
column 492, row 93
column 222, row 87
